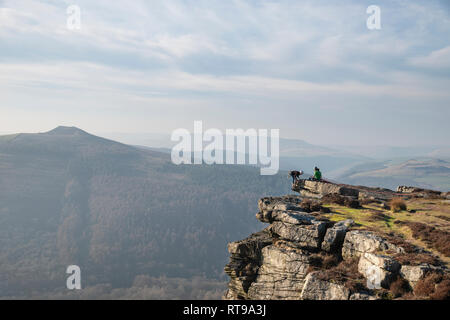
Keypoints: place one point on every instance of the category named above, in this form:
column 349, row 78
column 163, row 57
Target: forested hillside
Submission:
column 120, row 213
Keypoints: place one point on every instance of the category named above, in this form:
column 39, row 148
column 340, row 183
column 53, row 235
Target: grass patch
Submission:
column 334, row 198
column 345, row 273
column 313, row 206
column 428, row 212
column 415, row 259
column 399, row 287
column 323, row 260
column 446, row 218
column 435, row 286
column 397, row 205
column 435, row 238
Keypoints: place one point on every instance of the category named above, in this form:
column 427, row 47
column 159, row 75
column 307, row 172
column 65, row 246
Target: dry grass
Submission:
column 435, row 238
column 415, row 259
column 333, row 198
column 433, row 213
column 435, row 286
column 367, row 201
column 395, row 239
column 444, row 218
column 323, row 260
column 397, row 204
column 341, row 200
column 426, row 226
column 399, row 287
column 345, row 273
column 378, row 216
column 310, row 205
column 442, row 291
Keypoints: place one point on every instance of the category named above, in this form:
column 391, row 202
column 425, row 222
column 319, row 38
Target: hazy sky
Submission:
column 312, row 69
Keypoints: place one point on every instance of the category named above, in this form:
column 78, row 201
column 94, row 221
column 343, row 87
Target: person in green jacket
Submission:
column 317, row 174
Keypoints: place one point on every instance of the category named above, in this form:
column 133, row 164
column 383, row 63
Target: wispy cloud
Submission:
column 436, row 59
column 242, row 59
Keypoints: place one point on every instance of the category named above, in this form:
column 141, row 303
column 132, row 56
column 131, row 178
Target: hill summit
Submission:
column 63, row 130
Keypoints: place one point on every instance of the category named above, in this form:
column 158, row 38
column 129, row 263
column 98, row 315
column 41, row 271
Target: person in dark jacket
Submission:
column 295, row 175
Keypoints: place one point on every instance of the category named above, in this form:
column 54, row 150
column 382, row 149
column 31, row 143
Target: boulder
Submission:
column 306, row 235
column 358, row 242
column 317, row 289
column 250, row 247
column 334, row 237
column 379, row 270
column 415, row 273
column 382, row 261
column 408, row 189
column 245, row 257
column 279, row 203
column 287, row 206
column 264, row 216
column 271, row 207
column 316, row 189
column 282, row 273
column 291, row 217
column 420, row 192
column 345, row 223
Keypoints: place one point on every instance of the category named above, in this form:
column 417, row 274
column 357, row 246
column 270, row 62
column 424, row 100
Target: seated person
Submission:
column 317, row 174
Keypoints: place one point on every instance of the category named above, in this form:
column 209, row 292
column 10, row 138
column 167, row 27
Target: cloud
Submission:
column 285, row 39
column 222, row 57
column 437, row 59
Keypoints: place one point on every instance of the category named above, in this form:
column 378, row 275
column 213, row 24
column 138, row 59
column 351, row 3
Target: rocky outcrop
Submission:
column 415, row 273
column 282, row 273
column 422, row 193
column 406, row 189
column 274, row 263
column 277, row 262
column 356, row 243
column 379, row 270
column 316, row 289
column 308, row 236
column 334, row 237
column 244, row 263
column 316, row 189
column 281, row 261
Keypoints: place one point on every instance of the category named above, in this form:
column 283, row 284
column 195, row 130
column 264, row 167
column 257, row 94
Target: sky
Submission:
column 309, row 68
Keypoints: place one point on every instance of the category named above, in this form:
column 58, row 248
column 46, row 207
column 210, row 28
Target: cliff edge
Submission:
column 342, row 242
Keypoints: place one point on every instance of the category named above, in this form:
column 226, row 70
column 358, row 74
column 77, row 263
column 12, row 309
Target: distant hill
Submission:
column 119, row 212
column 394, row 152
column 426, row 173
column 294, row 153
